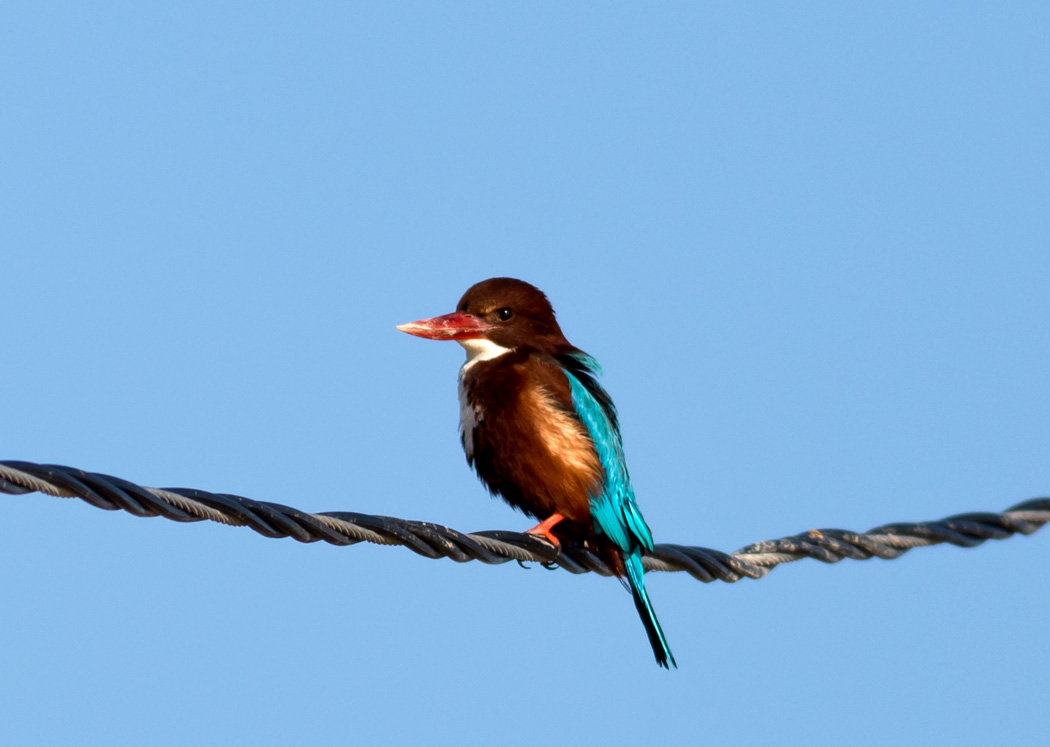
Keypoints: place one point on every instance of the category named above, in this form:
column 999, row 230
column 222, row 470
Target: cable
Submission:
column 435, row 541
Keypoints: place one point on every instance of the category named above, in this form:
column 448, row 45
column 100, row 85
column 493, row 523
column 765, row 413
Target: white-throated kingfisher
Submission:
column 541, row 432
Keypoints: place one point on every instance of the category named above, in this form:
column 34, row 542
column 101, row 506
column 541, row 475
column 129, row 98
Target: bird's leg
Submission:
column 544, row 529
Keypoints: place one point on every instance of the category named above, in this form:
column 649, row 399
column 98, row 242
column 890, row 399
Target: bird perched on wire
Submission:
column 541, row 432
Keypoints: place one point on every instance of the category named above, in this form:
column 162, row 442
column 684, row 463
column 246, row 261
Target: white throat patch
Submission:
column 480, row 349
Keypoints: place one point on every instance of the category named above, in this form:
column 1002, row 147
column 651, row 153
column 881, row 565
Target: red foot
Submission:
column 544, row 529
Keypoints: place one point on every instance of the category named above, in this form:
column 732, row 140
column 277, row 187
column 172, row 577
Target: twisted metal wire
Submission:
column 435, row 541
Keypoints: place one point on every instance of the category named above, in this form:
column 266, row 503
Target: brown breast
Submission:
column 526, row 443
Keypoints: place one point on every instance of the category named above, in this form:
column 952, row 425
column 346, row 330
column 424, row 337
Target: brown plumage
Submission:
column 527, row 444
column 541, row 432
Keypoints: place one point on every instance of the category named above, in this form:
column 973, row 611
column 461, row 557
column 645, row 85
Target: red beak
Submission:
column 454, row 326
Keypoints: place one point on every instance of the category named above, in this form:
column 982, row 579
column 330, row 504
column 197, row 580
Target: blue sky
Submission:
column 810, row 245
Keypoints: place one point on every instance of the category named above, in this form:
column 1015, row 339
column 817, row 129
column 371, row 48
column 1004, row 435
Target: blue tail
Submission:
column 636, row 580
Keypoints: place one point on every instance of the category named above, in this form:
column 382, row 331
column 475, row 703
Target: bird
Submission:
column 543, row 434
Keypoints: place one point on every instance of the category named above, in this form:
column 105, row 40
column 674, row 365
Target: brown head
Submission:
column 507, row 312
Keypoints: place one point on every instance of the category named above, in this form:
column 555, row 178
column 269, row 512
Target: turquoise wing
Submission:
column 615, row 512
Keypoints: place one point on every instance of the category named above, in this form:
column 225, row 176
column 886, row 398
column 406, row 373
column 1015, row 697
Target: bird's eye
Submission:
column 504, row 315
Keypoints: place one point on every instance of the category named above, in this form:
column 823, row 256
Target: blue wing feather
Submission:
column 614, row 511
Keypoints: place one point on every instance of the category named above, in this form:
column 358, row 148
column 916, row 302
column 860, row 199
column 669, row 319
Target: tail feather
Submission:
column 636, row 580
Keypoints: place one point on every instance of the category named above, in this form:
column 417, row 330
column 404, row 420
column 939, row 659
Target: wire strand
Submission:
column 435, row 541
